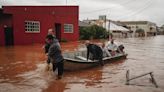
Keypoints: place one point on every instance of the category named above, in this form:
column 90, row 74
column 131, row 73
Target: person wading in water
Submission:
column 55, row 55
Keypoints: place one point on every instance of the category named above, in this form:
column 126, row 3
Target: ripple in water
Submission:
column 33, row 81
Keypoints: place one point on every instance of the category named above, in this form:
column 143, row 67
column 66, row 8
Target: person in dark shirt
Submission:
column 120, row 49
column 55, row 55
column 96, row 51
column 47, row 45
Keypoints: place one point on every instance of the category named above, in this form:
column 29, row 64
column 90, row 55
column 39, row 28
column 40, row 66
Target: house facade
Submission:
column 149, row 28
column 20, row 25
column 161, row 30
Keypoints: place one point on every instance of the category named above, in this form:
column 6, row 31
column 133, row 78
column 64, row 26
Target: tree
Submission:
column 94, row 31
column 141, row 32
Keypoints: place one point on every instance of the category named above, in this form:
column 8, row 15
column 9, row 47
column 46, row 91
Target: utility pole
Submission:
column 109, row 27
column 105, row 22
column 109, row 34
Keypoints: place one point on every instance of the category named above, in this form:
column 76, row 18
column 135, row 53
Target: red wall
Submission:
column 48, row 16
column 2, row 40
column 4, row 21
column 21, row 37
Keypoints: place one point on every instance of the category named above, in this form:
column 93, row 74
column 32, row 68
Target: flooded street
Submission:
column 22, row 69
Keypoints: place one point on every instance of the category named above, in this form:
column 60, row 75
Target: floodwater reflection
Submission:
column 22, row 69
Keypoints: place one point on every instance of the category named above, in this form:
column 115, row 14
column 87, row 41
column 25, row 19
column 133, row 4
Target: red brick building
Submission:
column 21, row 25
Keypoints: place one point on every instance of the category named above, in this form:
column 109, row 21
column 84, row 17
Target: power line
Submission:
column 148, row 4
column 136, row 9
column 89, row 12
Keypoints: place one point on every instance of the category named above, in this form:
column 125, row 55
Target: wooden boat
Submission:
column 77, row 60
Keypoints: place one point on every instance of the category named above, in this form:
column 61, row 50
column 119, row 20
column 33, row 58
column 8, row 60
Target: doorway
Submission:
column 58, row 31
column 9, row 38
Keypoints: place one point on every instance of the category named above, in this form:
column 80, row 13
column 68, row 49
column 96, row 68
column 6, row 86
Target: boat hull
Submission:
column 73, row 64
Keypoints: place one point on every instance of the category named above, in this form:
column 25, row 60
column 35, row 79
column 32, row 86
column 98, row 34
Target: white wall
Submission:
column 145, row 27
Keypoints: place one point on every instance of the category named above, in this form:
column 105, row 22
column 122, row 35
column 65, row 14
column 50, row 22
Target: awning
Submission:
column 114, row 27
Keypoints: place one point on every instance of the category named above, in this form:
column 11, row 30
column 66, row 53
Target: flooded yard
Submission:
column 22, row 69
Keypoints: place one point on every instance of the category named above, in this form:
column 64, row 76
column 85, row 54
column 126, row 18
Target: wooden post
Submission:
column 127, row 77
column 153, row 80
column 151, row 75
column 139, row 76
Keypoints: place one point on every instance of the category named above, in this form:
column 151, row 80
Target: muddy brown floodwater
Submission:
column 22, row 69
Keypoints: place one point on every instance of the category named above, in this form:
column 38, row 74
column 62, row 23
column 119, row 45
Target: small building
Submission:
column 83, row 24
column 21, row 25
column 111, row 26
column 119, row 31
column 148, row 28
column 161, row 30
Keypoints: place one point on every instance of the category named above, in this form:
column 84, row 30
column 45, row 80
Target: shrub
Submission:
column 64, row 40
column 140, row 31
column 94, row 31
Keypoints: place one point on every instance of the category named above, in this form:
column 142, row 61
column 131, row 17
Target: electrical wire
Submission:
column 89, row 12
column 147, row 5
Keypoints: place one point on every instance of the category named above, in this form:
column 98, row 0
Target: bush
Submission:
column 140, row 31
column 95, row 32
column 64, row 40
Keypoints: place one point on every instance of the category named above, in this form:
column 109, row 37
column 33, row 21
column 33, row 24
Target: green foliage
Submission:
column 64, row 40
column 140, row 31
column 93, row 32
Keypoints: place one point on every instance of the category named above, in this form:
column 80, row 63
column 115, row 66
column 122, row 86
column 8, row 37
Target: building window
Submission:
column 68, row 28
column 32, row 26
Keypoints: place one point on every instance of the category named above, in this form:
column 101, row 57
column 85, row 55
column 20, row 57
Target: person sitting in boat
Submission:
column 112, row 47
column 120, row 49
column 106, row 53
column 95, row 51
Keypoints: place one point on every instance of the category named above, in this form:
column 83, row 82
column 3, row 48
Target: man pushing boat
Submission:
column 95, row 51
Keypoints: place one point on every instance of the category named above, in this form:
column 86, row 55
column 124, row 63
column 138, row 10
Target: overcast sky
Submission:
column 149, row 10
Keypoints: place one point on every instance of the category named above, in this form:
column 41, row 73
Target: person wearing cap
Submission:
column 55, row 55
column 95, row 50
